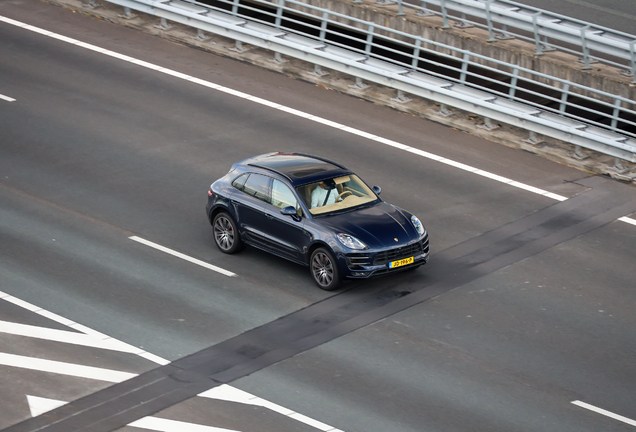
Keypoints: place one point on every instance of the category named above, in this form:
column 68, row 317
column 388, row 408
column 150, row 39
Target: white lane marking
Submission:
column 231, row 394
column 7, row 98
column 39, row 405
column 182, row 256
column 86, row 330
column 165, row 425
column 628, row 220
column 295, row 112
column 286, row 109
column 224, row 392
column 239, row 396
column 63, row 368
column 605, row 412
column 65, row 337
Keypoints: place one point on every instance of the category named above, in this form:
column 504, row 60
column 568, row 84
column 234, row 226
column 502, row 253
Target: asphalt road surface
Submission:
column 526, row 306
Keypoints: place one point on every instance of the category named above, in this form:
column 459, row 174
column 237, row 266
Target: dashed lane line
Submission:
column 12, row 358
column 293, row 111
column 605, row 412
column 628, row 220
column 182, row 256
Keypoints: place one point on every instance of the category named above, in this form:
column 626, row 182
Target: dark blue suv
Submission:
column 317, row 213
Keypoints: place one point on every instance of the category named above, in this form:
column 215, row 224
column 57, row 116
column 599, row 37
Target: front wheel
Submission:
column 226, row 235
column 324, row 269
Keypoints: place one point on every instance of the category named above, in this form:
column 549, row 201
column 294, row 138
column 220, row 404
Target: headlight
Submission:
column 351, row 242
column 418, row 225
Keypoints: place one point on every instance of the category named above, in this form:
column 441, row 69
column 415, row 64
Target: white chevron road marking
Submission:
column 39, row 405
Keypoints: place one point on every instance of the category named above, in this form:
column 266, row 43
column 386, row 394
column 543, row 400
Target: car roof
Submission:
column 298, row 168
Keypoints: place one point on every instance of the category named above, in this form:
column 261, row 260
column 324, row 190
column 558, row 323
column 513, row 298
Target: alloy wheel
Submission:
column 322, row 269
column 224, row 233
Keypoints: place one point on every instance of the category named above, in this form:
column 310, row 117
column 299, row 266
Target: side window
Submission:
column 282, row 196
column 257, row 186
column 239, row 182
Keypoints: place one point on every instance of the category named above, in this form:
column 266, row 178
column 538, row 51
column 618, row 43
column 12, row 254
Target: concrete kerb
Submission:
column 510, row 136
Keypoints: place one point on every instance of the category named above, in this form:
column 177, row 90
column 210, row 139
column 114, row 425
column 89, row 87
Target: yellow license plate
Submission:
column 400, row 263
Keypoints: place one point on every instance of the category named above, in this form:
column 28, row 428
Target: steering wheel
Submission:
column 344, row 194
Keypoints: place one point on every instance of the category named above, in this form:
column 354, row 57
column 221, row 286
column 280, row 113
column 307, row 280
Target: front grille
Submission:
column 414, row 249
column 362, row 259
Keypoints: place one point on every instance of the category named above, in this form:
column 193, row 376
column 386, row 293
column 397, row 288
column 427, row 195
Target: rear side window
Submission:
column 239, row 182
column 257, row 185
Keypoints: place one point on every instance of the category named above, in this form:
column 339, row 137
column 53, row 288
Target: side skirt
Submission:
column 275, row 252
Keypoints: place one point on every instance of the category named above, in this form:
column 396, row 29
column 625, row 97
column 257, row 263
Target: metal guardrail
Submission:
column 546, row 30
column 410, row 64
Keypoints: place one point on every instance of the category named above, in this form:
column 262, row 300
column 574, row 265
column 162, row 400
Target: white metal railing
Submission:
column 410, row 64
column 546, row 30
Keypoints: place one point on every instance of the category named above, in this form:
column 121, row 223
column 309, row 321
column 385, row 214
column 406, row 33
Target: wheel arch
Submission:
column 216, row 210
column 337, row 253
column 317, row 244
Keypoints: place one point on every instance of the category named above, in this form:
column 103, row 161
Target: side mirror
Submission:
column 377, row 190
column 289, row 211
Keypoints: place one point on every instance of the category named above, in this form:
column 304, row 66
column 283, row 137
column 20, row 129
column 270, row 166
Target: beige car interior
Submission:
column 347, row 197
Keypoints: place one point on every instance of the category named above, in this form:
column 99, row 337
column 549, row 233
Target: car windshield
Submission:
column 335, row 194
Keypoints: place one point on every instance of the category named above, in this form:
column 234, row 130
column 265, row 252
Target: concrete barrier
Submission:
column 554, row 63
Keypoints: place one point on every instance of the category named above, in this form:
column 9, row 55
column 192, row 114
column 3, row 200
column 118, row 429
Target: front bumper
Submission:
column 362, row 265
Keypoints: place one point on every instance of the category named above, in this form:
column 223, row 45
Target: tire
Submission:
column 226, row 235
column 324, row 270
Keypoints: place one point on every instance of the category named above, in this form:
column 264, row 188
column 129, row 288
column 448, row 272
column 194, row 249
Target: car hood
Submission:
column 379, row 226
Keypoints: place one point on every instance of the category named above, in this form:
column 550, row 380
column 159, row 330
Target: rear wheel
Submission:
column 226, row 235
column 324, row 269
